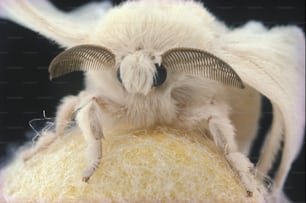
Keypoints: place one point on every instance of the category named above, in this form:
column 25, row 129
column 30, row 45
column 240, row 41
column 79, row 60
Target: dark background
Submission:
column 25, row 90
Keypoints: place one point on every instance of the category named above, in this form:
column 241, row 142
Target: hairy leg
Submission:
column 90, row 122
column 63, row 118
column 223, row 134
column 216, row 115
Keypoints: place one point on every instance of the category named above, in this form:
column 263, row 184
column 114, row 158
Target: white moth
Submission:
column 172, row 63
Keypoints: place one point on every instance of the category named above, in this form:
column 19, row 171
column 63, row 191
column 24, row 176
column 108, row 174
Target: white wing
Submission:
column 273, row 62
column 67, row 29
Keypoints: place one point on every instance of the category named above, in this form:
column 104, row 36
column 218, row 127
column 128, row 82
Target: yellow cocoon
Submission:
column 160, row 165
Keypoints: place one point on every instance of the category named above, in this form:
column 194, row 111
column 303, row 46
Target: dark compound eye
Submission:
column 118, row 75
column 160, row 75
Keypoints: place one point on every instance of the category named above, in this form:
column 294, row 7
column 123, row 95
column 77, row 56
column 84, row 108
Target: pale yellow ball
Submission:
column 160, row 165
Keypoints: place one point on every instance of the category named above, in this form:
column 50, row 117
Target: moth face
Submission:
column 138, row 73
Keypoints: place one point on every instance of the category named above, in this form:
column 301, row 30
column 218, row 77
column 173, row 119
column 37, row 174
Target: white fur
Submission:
column 271, row 61
column 276, row 68
column 44, row 18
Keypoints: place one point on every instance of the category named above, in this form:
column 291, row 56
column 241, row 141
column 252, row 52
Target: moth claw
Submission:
column 249, row 193
column 85, row 179
column 87, row 174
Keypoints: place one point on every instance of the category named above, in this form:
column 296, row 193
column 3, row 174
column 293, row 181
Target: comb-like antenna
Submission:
column 81, row 58
column 200, row 63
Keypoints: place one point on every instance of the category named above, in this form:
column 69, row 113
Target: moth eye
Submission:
column 160, row 75
column 118, row 75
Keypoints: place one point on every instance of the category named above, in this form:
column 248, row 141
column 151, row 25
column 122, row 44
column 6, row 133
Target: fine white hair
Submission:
column 269, row 61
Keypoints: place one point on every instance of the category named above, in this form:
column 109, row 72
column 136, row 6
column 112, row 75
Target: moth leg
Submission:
column 63, row 117
column 223, row 134
column 89, row 120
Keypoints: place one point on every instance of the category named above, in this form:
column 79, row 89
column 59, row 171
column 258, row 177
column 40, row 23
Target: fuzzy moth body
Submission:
column 173, row 63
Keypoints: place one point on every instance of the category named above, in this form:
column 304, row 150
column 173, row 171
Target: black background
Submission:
column 25, row 90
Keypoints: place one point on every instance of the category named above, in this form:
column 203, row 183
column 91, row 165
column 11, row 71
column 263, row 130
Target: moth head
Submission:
column 138, row 72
